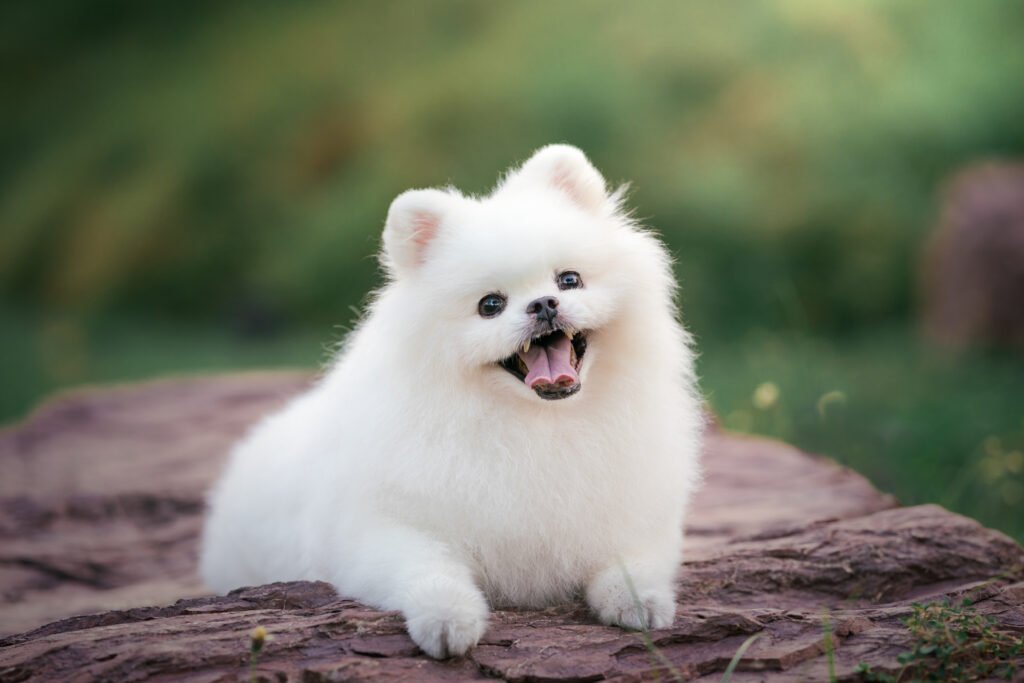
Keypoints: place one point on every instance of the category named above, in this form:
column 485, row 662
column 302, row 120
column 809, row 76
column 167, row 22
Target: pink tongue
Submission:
column 550, row 364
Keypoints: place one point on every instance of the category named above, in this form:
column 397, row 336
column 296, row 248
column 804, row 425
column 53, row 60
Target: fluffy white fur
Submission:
column 418, row 475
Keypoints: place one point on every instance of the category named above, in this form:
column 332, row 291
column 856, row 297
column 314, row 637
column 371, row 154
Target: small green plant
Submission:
column 953, row 643
column 258, row 637
column 830, row 646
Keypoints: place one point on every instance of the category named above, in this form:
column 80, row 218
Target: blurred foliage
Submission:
column 198, row 186
column 195, row 159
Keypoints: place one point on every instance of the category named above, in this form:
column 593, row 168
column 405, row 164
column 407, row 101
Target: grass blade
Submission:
column 740, row 651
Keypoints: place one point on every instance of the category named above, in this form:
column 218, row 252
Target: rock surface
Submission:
column 101, row 504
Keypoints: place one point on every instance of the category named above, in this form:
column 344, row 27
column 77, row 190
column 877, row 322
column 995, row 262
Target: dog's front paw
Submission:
column 445, row 618
column 611, row 599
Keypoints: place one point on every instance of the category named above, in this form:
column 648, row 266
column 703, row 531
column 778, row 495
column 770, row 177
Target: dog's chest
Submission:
column 537, row 547
column 533, row 524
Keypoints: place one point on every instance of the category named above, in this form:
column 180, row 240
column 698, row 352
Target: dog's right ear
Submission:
column 413, row 222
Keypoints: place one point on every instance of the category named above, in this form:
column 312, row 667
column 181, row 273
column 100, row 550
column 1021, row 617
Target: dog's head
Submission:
column 524, row 289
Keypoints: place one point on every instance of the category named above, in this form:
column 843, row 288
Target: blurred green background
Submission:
column 199, row 186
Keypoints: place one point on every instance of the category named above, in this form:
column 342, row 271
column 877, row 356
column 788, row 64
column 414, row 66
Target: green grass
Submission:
column 921, row 425
column 954, row 643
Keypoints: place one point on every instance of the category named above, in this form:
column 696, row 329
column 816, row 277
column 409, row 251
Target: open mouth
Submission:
column 550, row 363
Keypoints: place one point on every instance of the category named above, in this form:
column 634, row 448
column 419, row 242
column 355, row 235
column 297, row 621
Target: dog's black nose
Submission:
column 545, row 308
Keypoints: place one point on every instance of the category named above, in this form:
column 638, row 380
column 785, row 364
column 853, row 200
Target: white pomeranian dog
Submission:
column 514, row 423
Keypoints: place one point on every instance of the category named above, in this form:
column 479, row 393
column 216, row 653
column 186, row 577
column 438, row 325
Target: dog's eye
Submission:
column 491, row 305
column 569, row 279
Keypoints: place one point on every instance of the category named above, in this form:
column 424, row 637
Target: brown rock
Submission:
column 973, row 271
column 101, row 503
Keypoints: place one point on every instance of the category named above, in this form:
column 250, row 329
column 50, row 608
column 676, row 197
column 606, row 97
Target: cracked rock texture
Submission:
column 101, row 501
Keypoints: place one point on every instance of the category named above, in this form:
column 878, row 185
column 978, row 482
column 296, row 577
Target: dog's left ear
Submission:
column 414, row 221
column 564, row 168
